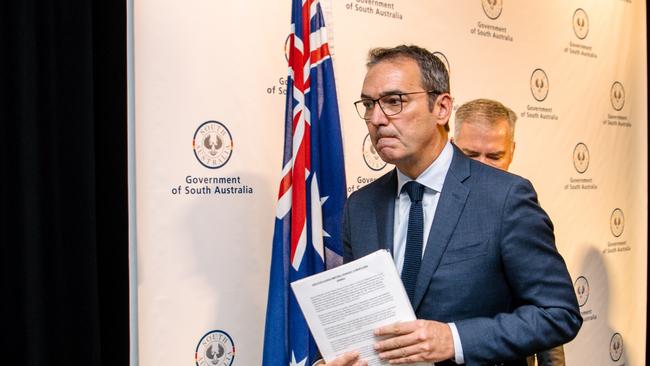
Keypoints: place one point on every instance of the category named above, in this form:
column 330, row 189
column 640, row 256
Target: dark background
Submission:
column 64, row 296
column 64, row 290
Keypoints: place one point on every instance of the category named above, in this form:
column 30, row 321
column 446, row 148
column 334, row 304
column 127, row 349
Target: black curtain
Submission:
column 63, row 190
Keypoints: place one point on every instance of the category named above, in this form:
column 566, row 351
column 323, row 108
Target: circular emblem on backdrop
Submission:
column 617, row 96
column 539, row 85
column 580, row 23
column 581, row 158
column 215, row 348
column 444, row 60
column 617, row 222
column 212, row 144
column 287, row 47
column 370, row 156
column 616, row 347
column 581, row 287
column 492, row 8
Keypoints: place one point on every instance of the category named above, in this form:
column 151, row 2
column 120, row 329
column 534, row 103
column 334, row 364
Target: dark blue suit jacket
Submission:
column 490, row 263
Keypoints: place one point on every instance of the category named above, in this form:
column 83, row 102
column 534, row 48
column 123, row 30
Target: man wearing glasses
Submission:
column 475, row 251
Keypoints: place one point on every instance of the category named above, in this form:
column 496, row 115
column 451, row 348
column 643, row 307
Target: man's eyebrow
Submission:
column 469, row 151
column 389, row 92
column 382, row 94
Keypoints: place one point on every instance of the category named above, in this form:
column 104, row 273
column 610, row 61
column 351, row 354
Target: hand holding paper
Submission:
column 343, row 307
column 415, row 341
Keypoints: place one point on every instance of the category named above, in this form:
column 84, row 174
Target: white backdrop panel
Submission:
column 203, row 259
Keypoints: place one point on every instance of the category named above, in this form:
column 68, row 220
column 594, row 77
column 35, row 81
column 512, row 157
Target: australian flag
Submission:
column 307, row 237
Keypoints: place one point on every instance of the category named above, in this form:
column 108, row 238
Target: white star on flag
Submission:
column 317, row 231
column 293, row 360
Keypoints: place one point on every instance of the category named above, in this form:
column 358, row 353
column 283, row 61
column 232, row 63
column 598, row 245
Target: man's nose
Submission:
column 377, row 117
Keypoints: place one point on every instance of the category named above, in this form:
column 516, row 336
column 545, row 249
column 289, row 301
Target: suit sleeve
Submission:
column 546, row 312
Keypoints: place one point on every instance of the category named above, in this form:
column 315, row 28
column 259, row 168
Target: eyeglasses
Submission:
column 390, row 104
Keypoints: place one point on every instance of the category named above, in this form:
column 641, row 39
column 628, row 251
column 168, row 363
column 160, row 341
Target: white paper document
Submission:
column 345, row 304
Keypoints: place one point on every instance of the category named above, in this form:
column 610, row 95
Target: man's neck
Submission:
column 415, row 168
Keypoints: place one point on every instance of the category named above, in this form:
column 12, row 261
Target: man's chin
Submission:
column 388, row 155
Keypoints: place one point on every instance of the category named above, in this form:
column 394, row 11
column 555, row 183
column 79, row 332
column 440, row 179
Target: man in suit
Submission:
column 485, row 131
column 489, row 285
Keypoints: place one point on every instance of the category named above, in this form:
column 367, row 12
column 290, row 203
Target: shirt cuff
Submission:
column 458, row 347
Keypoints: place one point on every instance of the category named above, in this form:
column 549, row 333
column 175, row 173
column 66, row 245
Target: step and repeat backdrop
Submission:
column 210, row 86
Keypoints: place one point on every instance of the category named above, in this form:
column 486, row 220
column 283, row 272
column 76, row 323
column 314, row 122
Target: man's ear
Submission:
column 443, row 108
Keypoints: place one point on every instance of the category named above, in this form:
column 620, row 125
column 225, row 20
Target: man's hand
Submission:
column 415, row 341
column 347, row 359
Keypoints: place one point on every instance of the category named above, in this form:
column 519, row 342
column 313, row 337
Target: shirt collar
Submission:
column 433, row 177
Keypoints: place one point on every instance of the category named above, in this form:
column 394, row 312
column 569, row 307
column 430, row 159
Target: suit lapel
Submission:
column 385, row 212
column 450, row 206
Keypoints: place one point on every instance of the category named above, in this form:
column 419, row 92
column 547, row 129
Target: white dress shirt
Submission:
column 432, row 179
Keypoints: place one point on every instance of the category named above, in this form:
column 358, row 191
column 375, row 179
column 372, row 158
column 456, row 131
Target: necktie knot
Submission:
column 415, row 190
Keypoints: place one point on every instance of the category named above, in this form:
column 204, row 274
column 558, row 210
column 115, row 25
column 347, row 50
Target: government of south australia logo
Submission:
column 539, row 85
column 617, row 222
column 581, row 287
column 581, row 158
column 616, row 347
column 215, row 348
column 212, row 144
column 492, row 8
column 617, row 96
column 370, row 155
column 580, row 23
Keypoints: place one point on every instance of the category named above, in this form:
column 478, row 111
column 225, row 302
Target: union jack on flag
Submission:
column 307, row 237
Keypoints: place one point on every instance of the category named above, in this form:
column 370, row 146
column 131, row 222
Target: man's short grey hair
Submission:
column 485, row 111
column 433, row 72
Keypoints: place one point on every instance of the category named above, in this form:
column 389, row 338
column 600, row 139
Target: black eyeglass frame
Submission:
column 376, row 101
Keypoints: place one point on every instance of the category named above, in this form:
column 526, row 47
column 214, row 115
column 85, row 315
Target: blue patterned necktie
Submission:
column 414, row 238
